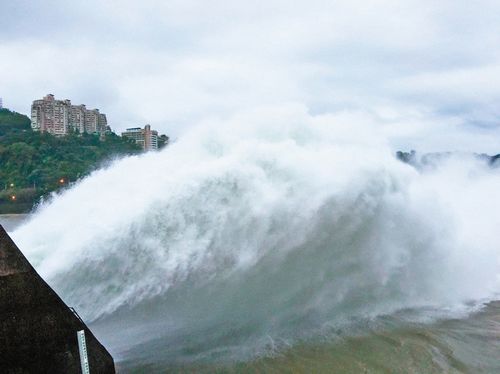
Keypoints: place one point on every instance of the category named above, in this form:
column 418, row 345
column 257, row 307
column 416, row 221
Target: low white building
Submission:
column 146, row 138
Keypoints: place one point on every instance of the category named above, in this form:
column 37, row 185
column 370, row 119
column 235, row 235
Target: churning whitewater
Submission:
column 245, row 237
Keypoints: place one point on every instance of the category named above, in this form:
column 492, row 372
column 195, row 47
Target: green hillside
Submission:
column 33, row 164
column 10, row 121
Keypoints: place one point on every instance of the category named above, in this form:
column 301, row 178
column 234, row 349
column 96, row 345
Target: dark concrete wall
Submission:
column 37, row 329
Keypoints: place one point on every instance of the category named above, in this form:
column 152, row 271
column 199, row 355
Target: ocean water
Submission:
column 280, row 243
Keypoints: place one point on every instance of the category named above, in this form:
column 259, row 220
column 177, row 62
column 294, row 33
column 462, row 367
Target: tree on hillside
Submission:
column 13, row 121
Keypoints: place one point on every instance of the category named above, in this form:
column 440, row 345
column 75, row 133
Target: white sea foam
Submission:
column 268, row 226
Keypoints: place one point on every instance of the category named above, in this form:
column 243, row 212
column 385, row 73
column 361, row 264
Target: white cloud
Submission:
column 176, row 63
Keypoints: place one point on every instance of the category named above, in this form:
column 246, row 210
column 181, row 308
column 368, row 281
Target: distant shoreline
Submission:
column 14, row 216
column 11, row 221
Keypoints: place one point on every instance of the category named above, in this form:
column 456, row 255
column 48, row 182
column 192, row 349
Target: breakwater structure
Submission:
column 38, row 331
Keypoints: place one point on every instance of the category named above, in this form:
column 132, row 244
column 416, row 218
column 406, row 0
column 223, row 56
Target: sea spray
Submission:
column 248, row 235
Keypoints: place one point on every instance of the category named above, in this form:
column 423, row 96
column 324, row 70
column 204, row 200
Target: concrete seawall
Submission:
column 37, row 329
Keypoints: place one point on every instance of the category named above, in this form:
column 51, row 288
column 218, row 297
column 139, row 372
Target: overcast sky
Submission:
column 428, row 69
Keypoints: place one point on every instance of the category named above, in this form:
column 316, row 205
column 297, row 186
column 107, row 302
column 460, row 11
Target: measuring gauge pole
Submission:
column 82, row 346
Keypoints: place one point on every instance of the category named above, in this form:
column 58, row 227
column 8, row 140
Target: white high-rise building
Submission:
column 50, row 115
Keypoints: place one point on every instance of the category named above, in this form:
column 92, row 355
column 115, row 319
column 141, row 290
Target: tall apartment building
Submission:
column 92, row 121
column 77, row 117
column 146, row 138
column 102, row 122
column 50, row 115
column 59, row 117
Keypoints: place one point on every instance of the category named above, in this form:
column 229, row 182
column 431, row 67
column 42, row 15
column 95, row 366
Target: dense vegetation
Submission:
column 10, row 121
column 33, row 164
column 431, row 159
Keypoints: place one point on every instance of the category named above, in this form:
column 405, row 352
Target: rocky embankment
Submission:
column 38, row 331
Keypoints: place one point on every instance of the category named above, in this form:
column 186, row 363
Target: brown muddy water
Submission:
column 393, row 345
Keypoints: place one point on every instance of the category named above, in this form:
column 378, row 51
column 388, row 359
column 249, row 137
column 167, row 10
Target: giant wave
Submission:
column 243, row 238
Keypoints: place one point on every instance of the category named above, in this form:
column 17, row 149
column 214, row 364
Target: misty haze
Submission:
column 264, row 187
